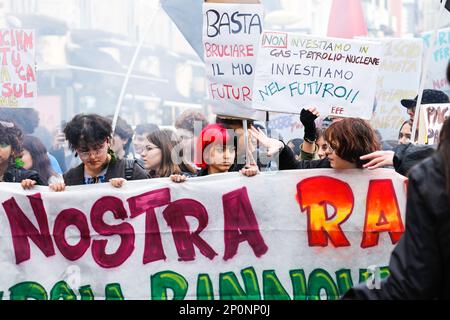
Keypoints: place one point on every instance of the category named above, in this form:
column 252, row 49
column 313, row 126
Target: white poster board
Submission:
column 295, row 71
column 432, row 116
column 398, row 78
column 230, row 41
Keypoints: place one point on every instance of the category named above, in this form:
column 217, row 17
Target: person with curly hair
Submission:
column 11, row 164
column 90, row 136
column 347, row 140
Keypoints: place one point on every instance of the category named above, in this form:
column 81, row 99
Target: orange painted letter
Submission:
column 314, row 195
column 382, row 213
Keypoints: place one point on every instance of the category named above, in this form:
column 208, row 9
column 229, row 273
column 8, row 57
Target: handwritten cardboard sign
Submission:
column 294, row 71
column 432, row 116
column 398, row 78
column 230, row 41
column 17, row 68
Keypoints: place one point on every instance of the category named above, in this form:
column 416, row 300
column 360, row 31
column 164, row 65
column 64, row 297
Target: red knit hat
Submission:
column 212, row 133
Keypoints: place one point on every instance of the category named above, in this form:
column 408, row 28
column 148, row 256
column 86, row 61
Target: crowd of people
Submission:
column 87, row 150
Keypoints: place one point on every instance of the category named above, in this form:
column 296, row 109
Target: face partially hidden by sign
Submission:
column 411, row 112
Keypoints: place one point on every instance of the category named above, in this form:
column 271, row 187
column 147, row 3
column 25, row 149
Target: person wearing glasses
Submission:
column 11, row 164
column 404, row 135
column 90, row 136
column 160, row 160
column 347, row 140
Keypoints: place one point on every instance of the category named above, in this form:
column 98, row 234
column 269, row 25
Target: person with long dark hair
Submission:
column 35, row 157
column 347, row 140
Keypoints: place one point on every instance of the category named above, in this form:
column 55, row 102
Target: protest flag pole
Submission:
column 247, row 151
column 425, row 65
column 269, row 133
column 131, row 67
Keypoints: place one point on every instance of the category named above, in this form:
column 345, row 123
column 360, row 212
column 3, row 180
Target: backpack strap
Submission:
column 129, row 169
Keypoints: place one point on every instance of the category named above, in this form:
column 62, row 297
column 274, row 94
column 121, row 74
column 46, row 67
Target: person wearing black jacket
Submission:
column 348, row 140
column 11, row 167
column 420, row 263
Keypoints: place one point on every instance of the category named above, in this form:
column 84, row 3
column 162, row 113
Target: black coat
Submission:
column 287, row 161
column 116, row 169
column 420, row 263
column 408, row 155
column 18, row 175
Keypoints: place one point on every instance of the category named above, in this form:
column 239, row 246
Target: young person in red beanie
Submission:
column 216, row 151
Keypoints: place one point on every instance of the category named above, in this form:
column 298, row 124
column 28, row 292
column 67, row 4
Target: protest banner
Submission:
column 230, row 38
column 433, row 117
column 299, row 234
column 295, row 71
column 398, row 78
column 17, row 73
column 440, row 56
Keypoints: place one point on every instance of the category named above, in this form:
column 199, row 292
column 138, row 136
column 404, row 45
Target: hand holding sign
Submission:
column 273, row 145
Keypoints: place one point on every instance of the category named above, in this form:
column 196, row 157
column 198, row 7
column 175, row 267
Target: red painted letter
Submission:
column 382, row 214
column 124, row 230
column 241, row 224
column 78, row 219
column 175, row 215
column 314, row 195
column 147, row 202
column 22, row 228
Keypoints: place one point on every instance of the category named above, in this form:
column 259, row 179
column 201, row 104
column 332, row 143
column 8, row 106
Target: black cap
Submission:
column 429, row 97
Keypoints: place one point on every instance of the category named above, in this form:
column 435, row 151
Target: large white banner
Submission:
column 295, row 71
column 17, row 68
column 301, row 234
column 398, row 79
column 230, row 41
